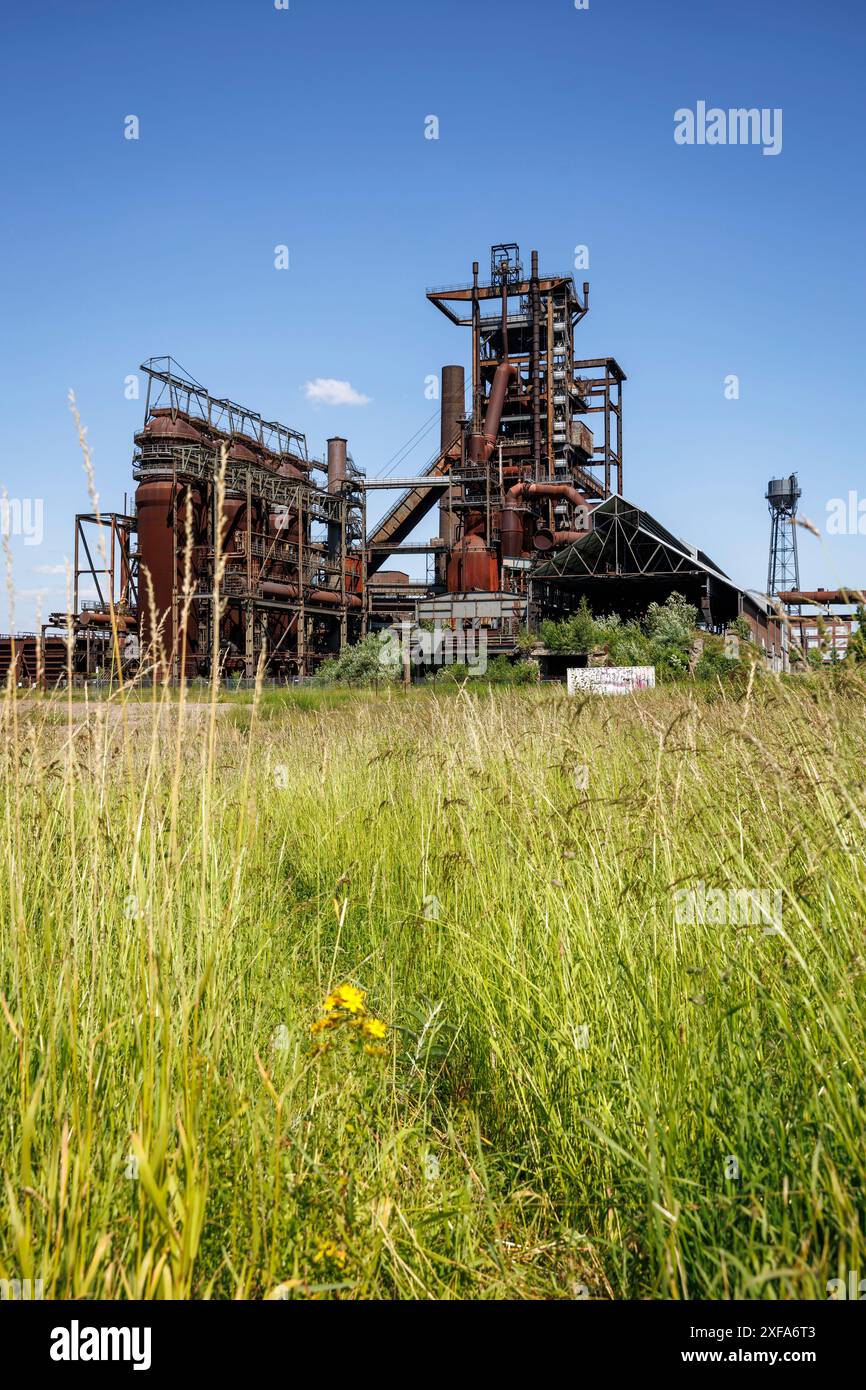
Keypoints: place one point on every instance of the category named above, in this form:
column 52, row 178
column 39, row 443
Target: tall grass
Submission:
column 569, row 1071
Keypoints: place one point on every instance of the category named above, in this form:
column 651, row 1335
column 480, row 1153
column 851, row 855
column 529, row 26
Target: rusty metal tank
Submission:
column 240, row 452
column 170, row 426
column 472, row 566
column 288, row 467
column 153, row 505
column 157, row 502
column 234, row 519
column 511, row 533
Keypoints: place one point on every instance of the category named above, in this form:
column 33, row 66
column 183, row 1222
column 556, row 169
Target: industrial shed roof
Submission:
column 629, row 558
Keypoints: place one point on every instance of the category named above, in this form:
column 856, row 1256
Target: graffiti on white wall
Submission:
column 610, row 680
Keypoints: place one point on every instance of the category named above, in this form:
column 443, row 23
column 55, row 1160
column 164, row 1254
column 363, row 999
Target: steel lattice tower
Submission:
column 783, row 496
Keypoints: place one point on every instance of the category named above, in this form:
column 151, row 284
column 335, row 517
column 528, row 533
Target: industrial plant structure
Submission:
column 245, row 551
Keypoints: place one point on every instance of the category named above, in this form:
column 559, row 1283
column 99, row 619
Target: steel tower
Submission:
column 783, row 496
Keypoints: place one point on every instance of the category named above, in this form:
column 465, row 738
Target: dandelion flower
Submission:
column 374, row 1027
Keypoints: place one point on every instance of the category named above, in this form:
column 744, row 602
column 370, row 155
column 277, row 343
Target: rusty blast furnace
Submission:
column 518, row 469
column 244, row 550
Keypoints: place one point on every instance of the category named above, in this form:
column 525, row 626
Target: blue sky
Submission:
column 305, row 127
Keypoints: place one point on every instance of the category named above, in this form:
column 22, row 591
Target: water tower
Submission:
column 783, row 495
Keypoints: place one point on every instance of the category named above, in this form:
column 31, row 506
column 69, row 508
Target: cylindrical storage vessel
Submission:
column 153, row 505
column 472, row 567
column 511, row 533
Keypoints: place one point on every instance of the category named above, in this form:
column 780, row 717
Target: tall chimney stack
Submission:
column 453, row 387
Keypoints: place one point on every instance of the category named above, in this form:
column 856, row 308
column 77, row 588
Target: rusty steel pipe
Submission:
column 481, row 446
column 337, row 466
column 511, row 524
column 563, row 491
column 821, row 596
column 275, row 588
column 549, row 540
column 125, row 622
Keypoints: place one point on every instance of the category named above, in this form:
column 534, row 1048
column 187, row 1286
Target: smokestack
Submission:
column 452, row 408
column 337, row 448
column 453, row 396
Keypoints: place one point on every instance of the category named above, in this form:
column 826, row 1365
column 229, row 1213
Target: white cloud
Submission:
column 325, row 390
column 49, row 569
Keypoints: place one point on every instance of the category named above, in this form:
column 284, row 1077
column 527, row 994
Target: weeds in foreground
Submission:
column 576, row 1094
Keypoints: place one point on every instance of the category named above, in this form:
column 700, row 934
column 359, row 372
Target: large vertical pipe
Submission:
column 337, row 448
column 476, row 351
column 453, row 392
column 534, row 364
column 336, row 535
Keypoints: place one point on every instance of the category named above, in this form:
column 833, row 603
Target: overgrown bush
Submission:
column 361, row 664
column 662, row 640
column 499, row 671
column 576, row 633
column 672, row 623
column 714, row 665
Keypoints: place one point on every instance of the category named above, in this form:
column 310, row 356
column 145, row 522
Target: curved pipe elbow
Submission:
column 481, row 446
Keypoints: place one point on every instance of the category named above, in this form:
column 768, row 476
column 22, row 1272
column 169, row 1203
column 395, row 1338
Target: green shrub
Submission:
column 628, row 645
column 672, row 623
column 713, row 665
column 361, row 664
column 576, row 633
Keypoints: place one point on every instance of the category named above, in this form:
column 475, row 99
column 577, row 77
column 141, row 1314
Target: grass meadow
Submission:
column 538, row 1083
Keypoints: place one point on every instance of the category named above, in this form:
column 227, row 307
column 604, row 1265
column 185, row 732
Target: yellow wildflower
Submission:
column 374, row 1027
column 347, row 997
column 327, row 1250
